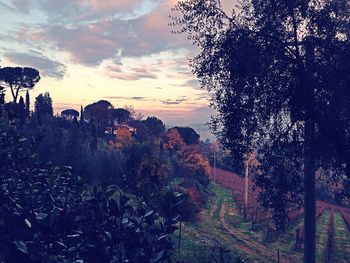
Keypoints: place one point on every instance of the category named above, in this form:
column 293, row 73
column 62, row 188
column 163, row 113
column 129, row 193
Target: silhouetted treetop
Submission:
column 17, row 79
column 70, row 113
column 43, row 105
column 120, row 115
column 189, row 135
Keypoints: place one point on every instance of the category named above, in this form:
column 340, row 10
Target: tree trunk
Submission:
column 309, row 195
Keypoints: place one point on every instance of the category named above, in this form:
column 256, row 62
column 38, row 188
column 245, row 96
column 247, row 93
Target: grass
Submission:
column 221, row 225
column 342, row 240
column 321, row 236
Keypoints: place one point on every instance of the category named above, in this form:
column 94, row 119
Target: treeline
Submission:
column 99, row 185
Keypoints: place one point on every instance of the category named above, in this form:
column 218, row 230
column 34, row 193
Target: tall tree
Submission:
column 82, row 115
column 43, row 105
column 17, row 79
column 27, row 106
column 21, row 110
column 189, row 135
column 155, row 125
column 276, row 69
column 98, row 112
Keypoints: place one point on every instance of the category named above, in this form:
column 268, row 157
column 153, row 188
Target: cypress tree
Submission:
column 81, row 115
column 27, row 105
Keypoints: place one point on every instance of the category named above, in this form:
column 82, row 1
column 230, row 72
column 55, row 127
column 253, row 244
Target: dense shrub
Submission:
column 48, row 214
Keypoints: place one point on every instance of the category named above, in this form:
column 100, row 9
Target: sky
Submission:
column 117, row 50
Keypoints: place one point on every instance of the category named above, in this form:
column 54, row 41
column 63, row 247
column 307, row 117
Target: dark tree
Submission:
column 98, row 112
column 277, row 69
column 120, row 115
column 155, row 125
column 70, row 113
column 43, row 105
column 189, row 135
column 27, row 106
column 17, row 79
column 21, row 110
column 82, row 115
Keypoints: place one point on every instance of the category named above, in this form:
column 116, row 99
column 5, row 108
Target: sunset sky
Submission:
column 121, row 51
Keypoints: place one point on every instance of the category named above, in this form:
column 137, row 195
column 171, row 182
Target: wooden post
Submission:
column 214, row 167
column 180, row 233
column 278, row 256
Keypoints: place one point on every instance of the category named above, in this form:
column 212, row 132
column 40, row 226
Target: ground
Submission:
column 220, row 225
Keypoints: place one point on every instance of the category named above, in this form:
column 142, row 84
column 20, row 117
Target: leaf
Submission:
column 21, row 246
column 27, row 222
column 151, row 212
column 41, row 216
column 73, row 236
column 109, row 235
column 157, row 257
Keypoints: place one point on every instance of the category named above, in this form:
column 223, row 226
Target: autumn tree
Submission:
column 174, row 140
column 17, row 79
column 189, row 135
column 278, row 73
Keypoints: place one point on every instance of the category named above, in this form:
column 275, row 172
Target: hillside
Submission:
column 221, row 224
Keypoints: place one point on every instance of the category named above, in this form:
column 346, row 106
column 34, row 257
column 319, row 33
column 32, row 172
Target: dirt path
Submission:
column 247, row 242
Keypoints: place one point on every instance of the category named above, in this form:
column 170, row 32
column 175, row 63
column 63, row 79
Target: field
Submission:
column 222, row 225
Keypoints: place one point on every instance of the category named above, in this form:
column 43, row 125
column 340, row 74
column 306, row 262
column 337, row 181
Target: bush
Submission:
column 47, row 214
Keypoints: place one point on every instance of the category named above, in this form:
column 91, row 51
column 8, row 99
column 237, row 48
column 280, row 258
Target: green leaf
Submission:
column 109, row 235
column 157, row 257
column 27, row 222
column 41, row 216
column 21, row 246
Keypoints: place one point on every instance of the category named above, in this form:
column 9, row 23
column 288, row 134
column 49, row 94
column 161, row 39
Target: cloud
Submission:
column 174, row 102
column 193, row 83
column 108, row 5
column 45, row 65
column 139, row 98
column 132, row 73
column 84, row 31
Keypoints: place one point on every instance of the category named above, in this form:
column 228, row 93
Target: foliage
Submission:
column 48, row 214
column 98, row 113
column 189, row 135
column 277, row 71
column 155, row 126
column 17, row 79
column 43, row 105
column 120, row 115
column 70, row 113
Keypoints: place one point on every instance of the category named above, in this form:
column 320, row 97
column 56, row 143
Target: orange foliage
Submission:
column 124, row 136
column 175, row 141
column 251, row 159
column 195, row 196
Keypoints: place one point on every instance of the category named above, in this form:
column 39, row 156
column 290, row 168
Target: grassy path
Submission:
column 221, row 225
column 321, row 236
column 342, row 240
